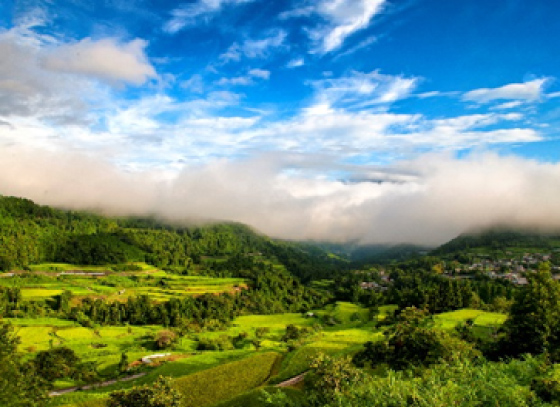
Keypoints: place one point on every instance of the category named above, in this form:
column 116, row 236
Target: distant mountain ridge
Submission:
column 500, row 238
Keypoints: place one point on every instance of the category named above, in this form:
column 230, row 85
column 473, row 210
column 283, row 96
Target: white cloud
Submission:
column 260, row 73
column 508, row 105
column 27, row 89
column 104, row 59
column 195, row 84
column 254, row 48
column 436, row 196
column 360, row 89
column 193, row 13
column 342, row 18
column 245, row 80
column 528, row 91
column 294, row 63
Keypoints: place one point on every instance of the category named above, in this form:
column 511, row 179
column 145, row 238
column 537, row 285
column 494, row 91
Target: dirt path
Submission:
column 293, row 381
column 95, row 385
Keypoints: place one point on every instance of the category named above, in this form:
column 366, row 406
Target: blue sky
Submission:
column 337, row 104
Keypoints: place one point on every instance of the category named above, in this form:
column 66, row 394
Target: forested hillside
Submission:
column 31, row 234
column 500, row 239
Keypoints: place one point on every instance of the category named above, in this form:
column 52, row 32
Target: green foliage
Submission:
column 413, row 341
column 56, row 363
column 329, row 377
column 97, row 249
column 159, row 394
column 20, row 385
column 293, row 333
column 123, row 363
column 497, row 239
column 31, row 234
column 534, row 322
column 462, row 383
column 165, row 339
column 221, row 343
column 226, row 381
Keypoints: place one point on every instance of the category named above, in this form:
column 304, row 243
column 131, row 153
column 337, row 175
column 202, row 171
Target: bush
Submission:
column 165, row 339
column 223, row 342
column 413, row 341
column 158, row 394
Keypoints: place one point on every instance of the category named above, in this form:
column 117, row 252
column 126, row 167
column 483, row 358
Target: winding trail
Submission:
column 95, row 385
column 293, row 381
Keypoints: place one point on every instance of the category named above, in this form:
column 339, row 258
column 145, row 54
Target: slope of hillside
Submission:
column 500, row 239
column 31, row 234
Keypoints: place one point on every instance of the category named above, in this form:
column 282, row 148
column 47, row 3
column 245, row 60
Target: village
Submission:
column 510, row 268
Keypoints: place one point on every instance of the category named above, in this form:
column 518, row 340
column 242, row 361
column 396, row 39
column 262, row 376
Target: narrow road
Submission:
column 95, row 385
column 293, row 381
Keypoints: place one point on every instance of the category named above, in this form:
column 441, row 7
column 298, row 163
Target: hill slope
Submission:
column 500, row 239
column 31, row 233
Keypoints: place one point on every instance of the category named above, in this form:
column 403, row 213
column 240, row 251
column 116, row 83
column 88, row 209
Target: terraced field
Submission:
column 46, row 281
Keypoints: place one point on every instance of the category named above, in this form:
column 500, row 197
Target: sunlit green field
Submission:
column 49, row 280
column 448, row 320
column 338, row 329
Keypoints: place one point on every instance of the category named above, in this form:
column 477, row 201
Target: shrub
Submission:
column 158, row 394
column 223, row 342
column 165, row 339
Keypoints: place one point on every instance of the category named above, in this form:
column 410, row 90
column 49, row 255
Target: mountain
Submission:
column 500, row 239
column 361, row 254
column 32, row 234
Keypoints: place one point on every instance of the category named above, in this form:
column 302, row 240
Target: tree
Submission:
column 56, row 363
column 165, row 339
column 123, row 363
column 534, row 322
column 330, row 377
column 414, row 341
column 158, row 394
column 20, row 386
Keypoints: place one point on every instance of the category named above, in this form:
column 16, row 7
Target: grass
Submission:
column 448, row 320
column 298, row 361
column 257, row 397
column 226, row 381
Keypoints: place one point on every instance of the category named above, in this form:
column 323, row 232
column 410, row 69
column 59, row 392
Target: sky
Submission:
column 372, row 121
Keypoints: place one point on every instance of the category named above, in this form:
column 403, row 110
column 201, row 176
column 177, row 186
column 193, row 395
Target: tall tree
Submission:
column 534, row 322
column 20, row 386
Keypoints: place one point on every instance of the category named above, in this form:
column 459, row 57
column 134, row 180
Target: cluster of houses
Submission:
column 509, row 269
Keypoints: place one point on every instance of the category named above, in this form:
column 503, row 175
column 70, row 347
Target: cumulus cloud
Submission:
column 435, row 198
column 528, row 92
column 104, row 59
column 193, row 13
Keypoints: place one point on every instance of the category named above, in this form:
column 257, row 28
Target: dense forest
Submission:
column 30, row 234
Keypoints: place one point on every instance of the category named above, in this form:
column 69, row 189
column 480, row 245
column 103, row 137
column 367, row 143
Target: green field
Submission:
column 338, row 329
column 46, row 281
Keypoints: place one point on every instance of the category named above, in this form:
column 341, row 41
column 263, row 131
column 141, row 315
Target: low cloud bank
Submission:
column 437, row 197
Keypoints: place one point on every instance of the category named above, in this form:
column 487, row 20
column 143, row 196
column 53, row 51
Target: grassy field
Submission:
column 448, row 320
column 226, row 381
column 340, row 328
